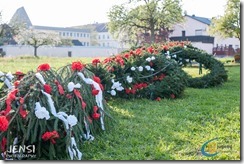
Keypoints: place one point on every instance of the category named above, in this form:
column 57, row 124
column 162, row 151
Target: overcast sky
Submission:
column 64, row 13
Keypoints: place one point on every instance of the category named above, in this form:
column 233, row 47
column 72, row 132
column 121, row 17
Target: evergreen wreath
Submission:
column 188, row 54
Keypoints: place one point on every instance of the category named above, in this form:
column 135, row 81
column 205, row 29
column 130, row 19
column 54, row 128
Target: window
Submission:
column 87, row 43
column 78, row 35
column 71, row 34
column 198, row 32
column 103, row 36
column 103, row 44
column 67, row 34
column 87, row 35
column 74, row 34
column 108, row 37
column 63, row 33
column 99, row 37
column 183, row 33
column 84, row 35
column 84, row 43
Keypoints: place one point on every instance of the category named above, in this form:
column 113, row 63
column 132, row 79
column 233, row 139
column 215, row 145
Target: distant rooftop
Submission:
column 201, row 19
column 60, row 29
column 98, row 27
column 20, row 16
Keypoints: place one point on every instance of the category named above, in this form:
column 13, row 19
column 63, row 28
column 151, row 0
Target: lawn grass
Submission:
column 166, row 129
column 174, row 129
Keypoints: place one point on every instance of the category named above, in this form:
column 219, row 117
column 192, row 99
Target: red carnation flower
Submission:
column 3, row 123
column 95, row 92
column 97, row 79
column 172, row 96
column 19, row 75
column 50, row 136
column 158, row 99
column 16, row 83
column 127, row 55
column 95, row 62
column 47, row 88
column 77, row 66
column 127, row 91
column 43, row 67
column 95, row 116
column 150, row 50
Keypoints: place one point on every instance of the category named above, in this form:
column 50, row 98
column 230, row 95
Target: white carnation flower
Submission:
column 148, row 59
column 152, row 58
column 152, row 69
column 148, row 67
column 140, row 68
column 113, row 92
column 133, row 68
column 129, row 79
column 72, row 120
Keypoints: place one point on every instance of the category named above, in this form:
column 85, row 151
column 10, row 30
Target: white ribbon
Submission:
column 40, row 78
column 88, row 136
column 67, row 120
column 73, row 149
column 7, row 81
column 72, row 86
column 41, row 112
column 98, row 97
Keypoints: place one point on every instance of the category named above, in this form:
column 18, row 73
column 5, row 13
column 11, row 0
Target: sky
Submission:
column 66, row 13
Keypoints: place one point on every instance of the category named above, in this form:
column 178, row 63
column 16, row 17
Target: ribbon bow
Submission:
column 72, row 86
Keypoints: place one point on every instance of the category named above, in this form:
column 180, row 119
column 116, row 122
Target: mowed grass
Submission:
column 167, row 129
column 174, row 129
column 28, row 63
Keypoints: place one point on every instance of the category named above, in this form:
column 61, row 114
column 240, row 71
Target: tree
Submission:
column 149, row 16
column 227, row 25
column 37, row 38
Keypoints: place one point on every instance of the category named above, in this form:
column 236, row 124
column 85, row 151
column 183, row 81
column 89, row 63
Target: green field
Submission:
column 166, row 129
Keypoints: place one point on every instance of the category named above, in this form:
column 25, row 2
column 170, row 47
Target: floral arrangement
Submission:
column 54, row 111
column 144, row 72
column 155, row 72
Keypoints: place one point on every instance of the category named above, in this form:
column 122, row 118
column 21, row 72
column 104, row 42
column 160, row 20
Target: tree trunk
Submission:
column 152, row 30
column 152, row 36
column 35, row 51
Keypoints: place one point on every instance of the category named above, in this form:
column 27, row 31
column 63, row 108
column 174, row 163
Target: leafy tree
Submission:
column 148, row 16
column 227, row 25
column 37, row 38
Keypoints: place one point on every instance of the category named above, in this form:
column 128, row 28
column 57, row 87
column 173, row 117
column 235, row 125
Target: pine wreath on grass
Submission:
column 56, row 111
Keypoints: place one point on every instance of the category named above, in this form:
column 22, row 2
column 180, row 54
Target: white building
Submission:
column 195, row 29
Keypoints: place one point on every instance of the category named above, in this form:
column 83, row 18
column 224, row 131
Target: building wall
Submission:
column 204, row 46
column 83, row 37
column 189, row 26
column 235, row 42
column 76, row 51
column 105, row 39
